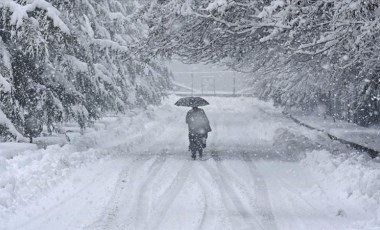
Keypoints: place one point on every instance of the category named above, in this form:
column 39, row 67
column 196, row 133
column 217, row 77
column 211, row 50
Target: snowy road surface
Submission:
column 250, row 178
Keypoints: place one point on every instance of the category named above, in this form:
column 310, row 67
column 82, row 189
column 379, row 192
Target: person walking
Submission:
column 199, row 127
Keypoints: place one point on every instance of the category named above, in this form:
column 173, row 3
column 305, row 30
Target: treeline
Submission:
column 302, row 54
column 72, row 60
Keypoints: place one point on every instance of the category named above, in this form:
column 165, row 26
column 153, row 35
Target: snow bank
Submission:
column 31, row 173
column 354, row 177
column 10, row 149
column 291, row 144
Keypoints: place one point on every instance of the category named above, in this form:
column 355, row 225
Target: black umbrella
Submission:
column 191, row 102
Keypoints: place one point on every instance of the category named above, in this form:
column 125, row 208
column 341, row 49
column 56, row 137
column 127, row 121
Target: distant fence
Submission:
column 211, row 94
column 181, row 89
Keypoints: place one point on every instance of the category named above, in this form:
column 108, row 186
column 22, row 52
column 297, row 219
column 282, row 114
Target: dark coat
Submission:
column 197, row 121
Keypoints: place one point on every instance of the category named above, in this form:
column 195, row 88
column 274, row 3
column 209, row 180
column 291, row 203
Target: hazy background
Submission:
column 206, row 74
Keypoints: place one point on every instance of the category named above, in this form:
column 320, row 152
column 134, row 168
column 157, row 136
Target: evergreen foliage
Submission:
column 65, row 60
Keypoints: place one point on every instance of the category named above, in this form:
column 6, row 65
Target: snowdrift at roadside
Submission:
column 29, row 173
column 353, row 177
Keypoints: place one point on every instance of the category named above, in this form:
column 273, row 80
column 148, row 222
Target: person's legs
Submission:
column 200, row 153
column 192, row 145
column 198, row 143
column 194, row 155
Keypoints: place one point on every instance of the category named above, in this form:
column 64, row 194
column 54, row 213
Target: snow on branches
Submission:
column 218, row 5
column 64, row 60
column 20, row 12
column 300, row 53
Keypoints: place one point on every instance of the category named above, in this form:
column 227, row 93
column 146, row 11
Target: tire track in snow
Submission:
column 209, row 207
column 118, row 203
column 142, row 204
column 127, row 177
column 113, row 205
column 231, row 201
column 206, row 208
column 264, row 208
column 167, row 199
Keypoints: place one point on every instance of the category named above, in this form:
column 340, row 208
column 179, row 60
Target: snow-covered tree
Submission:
column 66, row 60
column 300, row 53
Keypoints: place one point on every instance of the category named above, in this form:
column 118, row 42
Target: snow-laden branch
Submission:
column 20, row 12
column 4, row 121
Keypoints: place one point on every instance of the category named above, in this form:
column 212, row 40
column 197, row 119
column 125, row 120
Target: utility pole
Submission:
column 234, row 90
column 202, row 86
column 214, row 87
column 192, row 84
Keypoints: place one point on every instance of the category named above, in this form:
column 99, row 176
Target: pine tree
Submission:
column 69, row 60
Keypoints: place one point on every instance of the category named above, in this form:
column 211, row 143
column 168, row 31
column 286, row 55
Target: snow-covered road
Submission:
column 250, row 178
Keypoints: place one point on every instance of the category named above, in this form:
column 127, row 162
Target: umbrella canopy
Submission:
column 191, row 102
